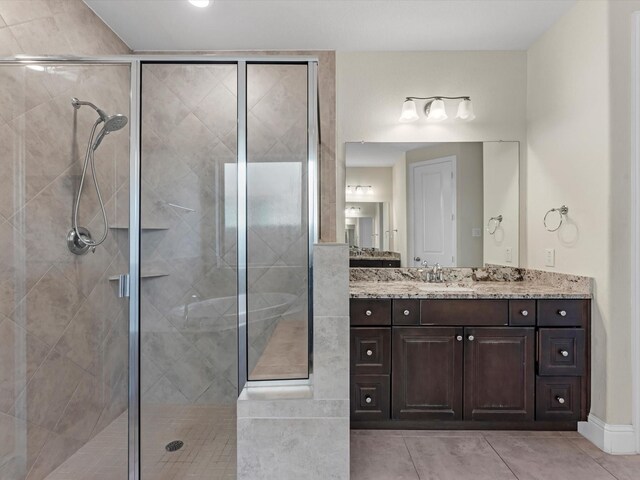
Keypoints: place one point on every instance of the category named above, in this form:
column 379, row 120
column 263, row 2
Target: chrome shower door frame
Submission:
column 135, row 63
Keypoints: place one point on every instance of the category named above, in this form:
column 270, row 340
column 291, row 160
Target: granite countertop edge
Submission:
column 472, row 295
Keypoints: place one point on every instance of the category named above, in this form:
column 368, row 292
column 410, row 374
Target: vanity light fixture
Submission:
column 435, row 110
column 351, row 210
column 199, row 3
column 359, row 189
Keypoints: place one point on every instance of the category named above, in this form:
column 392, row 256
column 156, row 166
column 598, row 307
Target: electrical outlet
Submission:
column 550, row 257
column 508, row 255
column 476, row 232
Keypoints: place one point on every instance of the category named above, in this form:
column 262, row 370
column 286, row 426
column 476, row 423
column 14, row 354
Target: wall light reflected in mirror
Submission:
column 359, row 190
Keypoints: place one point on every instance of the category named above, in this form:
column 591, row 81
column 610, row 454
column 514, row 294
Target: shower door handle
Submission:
column 123, row 285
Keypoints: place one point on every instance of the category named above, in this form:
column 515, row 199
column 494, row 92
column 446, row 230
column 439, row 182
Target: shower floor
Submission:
column 209, row 451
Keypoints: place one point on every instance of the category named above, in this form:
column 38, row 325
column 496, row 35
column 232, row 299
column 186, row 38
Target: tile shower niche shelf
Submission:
column 143, row 275
column 126, row 227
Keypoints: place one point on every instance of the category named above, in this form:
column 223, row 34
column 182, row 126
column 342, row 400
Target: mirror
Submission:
column 455, row 203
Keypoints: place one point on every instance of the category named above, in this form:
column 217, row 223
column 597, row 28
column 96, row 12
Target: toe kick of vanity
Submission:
column 469, row 363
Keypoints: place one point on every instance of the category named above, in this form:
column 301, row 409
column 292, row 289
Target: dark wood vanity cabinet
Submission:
column 427, row 373
column 499, row 373
column 441, row 363
column 374, row 263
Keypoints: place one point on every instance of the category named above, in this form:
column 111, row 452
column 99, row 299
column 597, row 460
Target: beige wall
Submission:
column 468, row 194
column 579, row 154
column 500, row 178
column 620, row 108
column 63, row 331
column 372, row 85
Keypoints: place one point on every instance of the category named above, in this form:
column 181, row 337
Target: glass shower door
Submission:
column 63, row 328
column 188, row 323
column 277, row 221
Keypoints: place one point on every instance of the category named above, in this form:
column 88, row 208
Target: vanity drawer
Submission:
column 390, row 264
column 406, row 312
column 370, row 351
column 563, row 313
column 558, row 398
column 370, row 397
column 465, row 312
column 561, row 351
column 367, row 311
column 522, row 313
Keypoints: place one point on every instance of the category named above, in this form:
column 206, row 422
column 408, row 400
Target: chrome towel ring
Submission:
column 562, row 212
column 495, row 222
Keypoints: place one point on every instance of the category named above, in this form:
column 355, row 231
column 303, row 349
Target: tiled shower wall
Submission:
column 188, row 322
column 189, row 342
column 62, row 330
column 277, row 242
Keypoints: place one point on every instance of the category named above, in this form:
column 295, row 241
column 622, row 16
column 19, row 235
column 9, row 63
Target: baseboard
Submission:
column 613, row 439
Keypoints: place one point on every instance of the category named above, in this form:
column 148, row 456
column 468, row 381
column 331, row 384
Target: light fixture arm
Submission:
column 439, row 97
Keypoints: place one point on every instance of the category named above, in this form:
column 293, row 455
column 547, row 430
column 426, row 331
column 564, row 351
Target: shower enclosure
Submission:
column 127, row 361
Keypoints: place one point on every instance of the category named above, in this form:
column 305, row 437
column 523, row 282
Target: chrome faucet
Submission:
column 436, row 273
column 427, row 272
column 433, row 274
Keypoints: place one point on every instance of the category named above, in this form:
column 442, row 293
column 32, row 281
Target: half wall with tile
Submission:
column 302, row 431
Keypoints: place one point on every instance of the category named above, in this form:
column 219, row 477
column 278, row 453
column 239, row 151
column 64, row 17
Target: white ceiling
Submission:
column 347, row 25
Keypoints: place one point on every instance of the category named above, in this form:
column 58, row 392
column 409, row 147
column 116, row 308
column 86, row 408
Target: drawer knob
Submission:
column 471, row 338
column 368, row 313
column 560, row 400
column 459, row 338
column 524, row 313
column 562, row 313
column 564, row 353
column 368, row 399
column 369, row 353
column 406, row 313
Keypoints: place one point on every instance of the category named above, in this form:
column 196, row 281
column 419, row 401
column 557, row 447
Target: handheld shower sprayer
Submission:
column 79, row 239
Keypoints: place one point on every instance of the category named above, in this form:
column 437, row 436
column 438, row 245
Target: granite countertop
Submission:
column 490, row 281
column 368, row 254
column 485, row 289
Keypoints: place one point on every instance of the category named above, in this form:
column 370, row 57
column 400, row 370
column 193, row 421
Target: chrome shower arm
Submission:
column 78, row 103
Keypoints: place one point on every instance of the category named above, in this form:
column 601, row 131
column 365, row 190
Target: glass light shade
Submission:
column 349, row 189
column 199, row 3
column 437, row 111
column 465, row 110
column 409, row 112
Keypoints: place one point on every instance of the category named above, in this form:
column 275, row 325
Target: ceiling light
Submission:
column 199, row 3
column 435, row 110
column 409, row 112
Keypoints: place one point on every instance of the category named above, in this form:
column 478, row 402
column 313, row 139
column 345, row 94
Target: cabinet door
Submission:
column 427, row 373
column 499, row 374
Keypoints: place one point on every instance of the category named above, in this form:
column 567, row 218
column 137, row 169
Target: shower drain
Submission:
column 174, row 446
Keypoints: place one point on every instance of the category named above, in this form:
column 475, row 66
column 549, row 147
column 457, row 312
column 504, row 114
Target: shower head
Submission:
column 111, row 124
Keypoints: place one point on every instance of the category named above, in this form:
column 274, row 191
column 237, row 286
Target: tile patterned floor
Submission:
column 209, row 452
column 483, row 455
